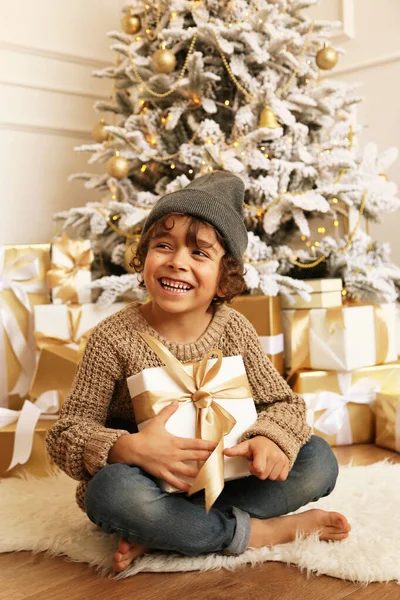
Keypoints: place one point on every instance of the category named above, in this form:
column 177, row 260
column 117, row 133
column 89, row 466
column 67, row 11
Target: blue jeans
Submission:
column 127, row 500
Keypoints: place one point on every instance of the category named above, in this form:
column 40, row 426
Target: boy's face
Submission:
column 180, row 276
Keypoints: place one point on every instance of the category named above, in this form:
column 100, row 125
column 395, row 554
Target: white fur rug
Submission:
column 41, row 515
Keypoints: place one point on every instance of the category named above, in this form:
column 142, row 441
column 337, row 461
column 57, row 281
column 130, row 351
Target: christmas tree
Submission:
column 236, row 85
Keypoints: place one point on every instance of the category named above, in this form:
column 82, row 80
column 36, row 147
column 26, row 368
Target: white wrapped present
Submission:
column 341, row 338
column 215, row 404
column 68, row 325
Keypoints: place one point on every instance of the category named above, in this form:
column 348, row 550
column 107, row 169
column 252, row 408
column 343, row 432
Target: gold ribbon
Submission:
column 300, row 340
column 213, row 422
column 74, row 315
column 381, row 335
column 79, row 257
column 264, row 312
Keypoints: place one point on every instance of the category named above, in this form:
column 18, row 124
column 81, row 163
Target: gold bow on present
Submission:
column 79, row 257
column 213, row 422
column 74, row 315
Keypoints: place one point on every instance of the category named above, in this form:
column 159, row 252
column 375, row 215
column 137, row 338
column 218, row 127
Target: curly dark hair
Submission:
column 232, row 272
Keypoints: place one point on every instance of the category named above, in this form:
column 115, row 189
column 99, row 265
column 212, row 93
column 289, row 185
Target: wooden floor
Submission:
column 24, row 576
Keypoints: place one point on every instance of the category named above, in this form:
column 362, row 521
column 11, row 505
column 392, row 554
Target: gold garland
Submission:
column 128, row 236
column 247, row 94
column 180, row 77
column 157, row 158
column 152, row 34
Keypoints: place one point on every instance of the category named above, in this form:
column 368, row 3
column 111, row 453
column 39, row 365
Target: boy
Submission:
column 190, row 259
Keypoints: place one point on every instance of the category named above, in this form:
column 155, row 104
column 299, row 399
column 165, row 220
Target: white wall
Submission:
column 370, row 36
column 48, row 49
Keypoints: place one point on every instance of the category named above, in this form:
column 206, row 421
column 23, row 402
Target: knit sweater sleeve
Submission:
column 79, row 442
column 281, row 412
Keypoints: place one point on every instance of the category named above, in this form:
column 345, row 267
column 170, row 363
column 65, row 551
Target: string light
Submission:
column 172, row 165
column 143, row 168
column 335, row 200
column 303, row 238
column 227, row 103
column 336, row 223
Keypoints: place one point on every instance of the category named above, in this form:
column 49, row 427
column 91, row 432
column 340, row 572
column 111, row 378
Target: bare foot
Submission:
column 280, row 530
column 126, row 554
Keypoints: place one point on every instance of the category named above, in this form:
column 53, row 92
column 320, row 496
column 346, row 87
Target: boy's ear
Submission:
column 220, row 293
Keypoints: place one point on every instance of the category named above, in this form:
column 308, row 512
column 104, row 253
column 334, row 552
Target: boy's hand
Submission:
column 160, row 453
column 266, row 459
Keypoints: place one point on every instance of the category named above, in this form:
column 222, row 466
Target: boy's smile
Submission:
column 183, row 276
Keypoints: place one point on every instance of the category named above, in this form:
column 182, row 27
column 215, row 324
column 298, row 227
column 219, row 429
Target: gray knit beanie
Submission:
column 216, row 198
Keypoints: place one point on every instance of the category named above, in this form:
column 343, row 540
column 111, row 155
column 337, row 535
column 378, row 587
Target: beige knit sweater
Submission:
column 98, row 409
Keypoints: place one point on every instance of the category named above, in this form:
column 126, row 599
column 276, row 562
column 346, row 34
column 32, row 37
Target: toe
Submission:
column 123, row 546
column 338, row 521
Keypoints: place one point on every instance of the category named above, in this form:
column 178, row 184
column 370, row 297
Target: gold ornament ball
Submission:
column 163, row 61
column 118, row 167
column 129, row 254
column 99, row 134
column 268, row 118
column 327, row 58
column 131, row 23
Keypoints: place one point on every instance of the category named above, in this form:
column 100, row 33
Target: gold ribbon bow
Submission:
column 74, row 315
column 79, row 257
column 213, row 422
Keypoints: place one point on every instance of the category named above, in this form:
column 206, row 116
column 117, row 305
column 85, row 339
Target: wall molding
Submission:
column 347, row 16
column 55, row 90
column 368, row 64
column 54, row 55
column 47, row 130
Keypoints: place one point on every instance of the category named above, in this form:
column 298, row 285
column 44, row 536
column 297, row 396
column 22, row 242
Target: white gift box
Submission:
column 353, row 346
column 82, row 277
column 183, row 422
column 55, row 321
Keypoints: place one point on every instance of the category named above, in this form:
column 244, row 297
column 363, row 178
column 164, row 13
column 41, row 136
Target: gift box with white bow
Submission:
column 215, row 404
column 69, row 275
column 264, row 313
column 340, row 339
column 341, row 405
column 22, row 436
column 22, row 286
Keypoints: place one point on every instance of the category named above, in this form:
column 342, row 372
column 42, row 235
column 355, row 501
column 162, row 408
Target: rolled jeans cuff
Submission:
column 241, row 536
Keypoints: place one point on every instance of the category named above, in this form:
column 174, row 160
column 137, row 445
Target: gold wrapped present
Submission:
column 264, row 313
column 340, row 405
column 23, row 286
column 340, row 339
column 388, row 419
column 215, row 404
column 55, row 371
column 325, row 294
column 70, row 274
column 39, row 462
